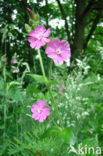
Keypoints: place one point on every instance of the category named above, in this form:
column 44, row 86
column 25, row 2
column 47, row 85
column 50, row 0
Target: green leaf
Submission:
column 2, row 127
column 51, row 132
column 12, row 84
column 26, row 34
column 38, row 78
column 65, row 135
column 52, row 82
column 28, row 28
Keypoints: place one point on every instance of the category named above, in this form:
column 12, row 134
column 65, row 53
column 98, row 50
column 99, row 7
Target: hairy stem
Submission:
column 41, row 64
column 50, row 70
column 48, row 87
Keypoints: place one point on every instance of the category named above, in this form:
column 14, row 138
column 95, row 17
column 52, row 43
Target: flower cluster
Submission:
column 14, row 61
column 15, row 68
column 58, row 50
column 61, row 89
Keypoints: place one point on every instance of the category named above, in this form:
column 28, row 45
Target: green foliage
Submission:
column 80, row 106
column 31, row 146
column 38, row 78
column 65, row 135
column 81, row 102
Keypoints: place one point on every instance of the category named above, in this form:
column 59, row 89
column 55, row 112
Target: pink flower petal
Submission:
column 46, row 40
column 37, row 28
column 42, row 117
column 43, row 28
column 55, row 60
column 33, row 44
column 42, row 41
column 47, row 33
column 39, row 45
column 31, row 39
column 35, row 116
column 63, row 41
column 49, row 50
column 64, row 56
column 60, row 92
column 52, row 55
column 32, row 33
column 57, row 41
column 62, row 86
column 41, row 103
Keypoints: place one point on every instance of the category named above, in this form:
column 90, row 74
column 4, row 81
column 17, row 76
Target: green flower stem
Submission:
column 41, row 64
column 4, row 135
column 47, row 85
column 4, row 73
column 55, row 106
column 50, row 71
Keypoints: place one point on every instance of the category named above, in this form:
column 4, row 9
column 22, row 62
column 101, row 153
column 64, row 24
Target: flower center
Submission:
column 39, row 37
column 58, row 51
column 39, row 111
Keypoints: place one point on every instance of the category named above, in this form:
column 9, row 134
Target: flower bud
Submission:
column 31, row 14
column 34, row 18
column 14, row 61
column 37, row 17
column 28, row 28
column 4, row 60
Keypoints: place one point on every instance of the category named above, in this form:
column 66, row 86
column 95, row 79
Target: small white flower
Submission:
column 57, row 121
column 52, row 149
column 85, row 114
column 98, row 77
column 68, row 62
column 66, row 107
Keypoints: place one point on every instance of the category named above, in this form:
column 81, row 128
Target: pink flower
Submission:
column 29, row 9
column 4, row 60
column 40, row 111
column 15, row 70
column 58, row 50
column 39, row 37
column 60, row 92
column 14, row 61
column 62, row 87
column 91, row 132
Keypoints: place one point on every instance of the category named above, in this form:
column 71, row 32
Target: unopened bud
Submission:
column 31, row 13
column 28, row 28
column 34, row 23
column 37, row 17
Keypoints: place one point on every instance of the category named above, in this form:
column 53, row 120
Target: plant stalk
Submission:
column 47, row 85
column 50, row 70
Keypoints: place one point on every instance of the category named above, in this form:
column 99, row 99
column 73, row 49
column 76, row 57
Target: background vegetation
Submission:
column 81, row 104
